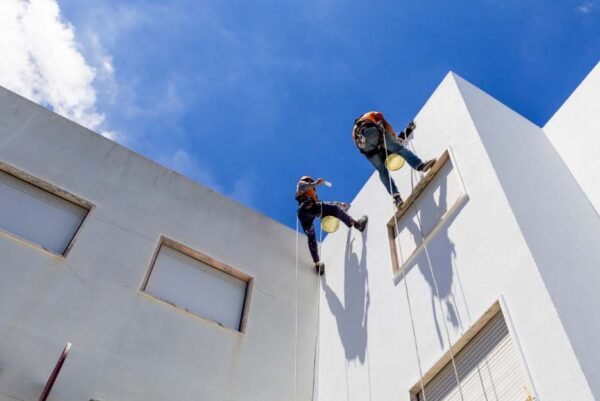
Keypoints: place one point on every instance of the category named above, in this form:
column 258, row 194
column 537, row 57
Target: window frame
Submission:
column 446, row 157
column 211, row 262
column 463, row 341
column 54, row 191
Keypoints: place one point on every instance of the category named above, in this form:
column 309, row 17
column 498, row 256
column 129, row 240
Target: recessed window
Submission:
column 433, row 200
column 488, row 368
column 198, row 284
column 37, row 215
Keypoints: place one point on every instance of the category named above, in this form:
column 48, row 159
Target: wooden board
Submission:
column 420, row 187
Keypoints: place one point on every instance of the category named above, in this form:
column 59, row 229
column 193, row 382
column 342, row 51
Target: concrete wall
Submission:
column 510, row 239
column 575, row 133
column 126, row 345
column 556, row 219
column 480, row 254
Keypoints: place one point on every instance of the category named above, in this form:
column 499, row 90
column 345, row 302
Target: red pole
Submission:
column 55, row 372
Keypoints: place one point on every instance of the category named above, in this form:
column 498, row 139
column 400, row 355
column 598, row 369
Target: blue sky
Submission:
column 246, row 96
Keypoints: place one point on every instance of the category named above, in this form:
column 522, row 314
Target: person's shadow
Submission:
column 352, row 316
column 441, row 252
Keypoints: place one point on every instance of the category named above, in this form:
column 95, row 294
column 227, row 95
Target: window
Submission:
column 37, row 215
column 487, row 365
column 198, row 284
column 432, row 202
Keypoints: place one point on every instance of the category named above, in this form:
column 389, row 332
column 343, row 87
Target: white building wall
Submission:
column 513, row 240
column 556, row 219
column 575, row 133
column 128, row 346
column 480, row 255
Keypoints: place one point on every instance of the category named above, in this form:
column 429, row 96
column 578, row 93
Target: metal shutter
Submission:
column 36, row 215
column 488, row 369
column 197, row 287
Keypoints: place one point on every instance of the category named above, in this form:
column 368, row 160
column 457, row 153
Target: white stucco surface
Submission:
column 480, row 255
column 575, row 133
column 556, row 219
column 507, row 221
column 127, row 345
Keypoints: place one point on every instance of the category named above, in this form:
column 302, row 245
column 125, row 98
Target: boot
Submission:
column 398, row 201
column 425, row 166
column 361, row 223
column 320, row 268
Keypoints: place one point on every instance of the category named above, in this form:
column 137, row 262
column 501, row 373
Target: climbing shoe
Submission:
column 361, row 223
column 398, row 201
column 320, row 268
column 425, row 166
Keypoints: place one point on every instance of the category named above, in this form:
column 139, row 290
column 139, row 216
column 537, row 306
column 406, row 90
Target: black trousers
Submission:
column 309, row 210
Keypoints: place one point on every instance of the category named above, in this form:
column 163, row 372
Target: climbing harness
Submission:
column 369, row 145
column 367, row 135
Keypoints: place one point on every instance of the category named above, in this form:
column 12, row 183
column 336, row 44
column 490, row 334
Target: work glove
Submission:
column 407, row 131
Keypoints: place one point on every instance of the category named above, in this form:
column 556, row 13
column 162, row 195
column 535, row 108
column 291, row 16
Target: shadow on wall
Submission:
column 442, row 254
column 351, row 317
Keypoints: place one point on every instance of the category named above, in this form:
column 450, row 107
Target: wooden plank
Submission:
column 420, row 187
column 393, row 250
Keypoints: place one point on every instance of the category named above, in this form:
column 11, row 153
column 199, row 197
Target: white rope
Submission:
column 404, row 279
column 315, row 362
column 435, row 284
column 296, row 321
column 317, row 342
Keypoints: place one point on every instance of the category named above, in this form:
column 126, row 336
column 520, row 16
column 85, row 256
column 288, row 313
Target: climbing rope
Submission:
column 412, row 320
column 317, row 342
column 435, row 284
column 315, row 361
column 296, row 321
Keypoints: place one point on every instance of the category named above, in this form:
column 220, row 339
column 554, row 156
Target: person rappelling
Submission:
column 368, row 135
column 310, row 207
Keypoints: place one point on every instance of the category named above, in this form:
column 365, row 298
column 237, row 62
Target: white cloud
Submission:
column 164, row 101
column 40, row 59
column 587, row 7
column 99, row 57
column 182, row 162
column 242, row 188
column 115, row 137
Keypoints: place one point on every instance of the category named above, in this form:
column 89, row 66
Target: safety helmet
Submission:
column 306, row 178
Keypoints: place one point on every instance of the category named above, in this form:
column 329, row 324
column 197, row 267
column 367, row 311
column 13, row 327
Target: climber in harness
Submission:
column 310, row 207
column 368, row 134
